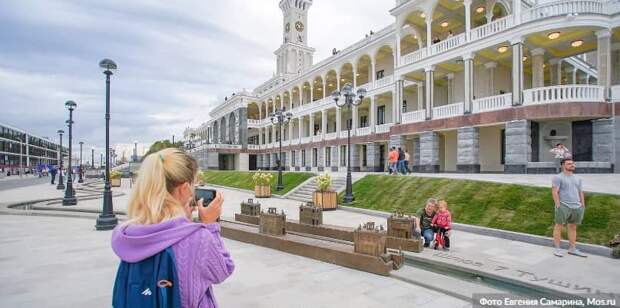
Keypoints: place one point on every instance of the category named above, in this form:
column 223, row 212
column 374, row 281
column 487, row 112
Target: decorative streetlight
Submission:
column 348, row 98
column 279, row 116
column 107, row 220
column 135, row 151
column 81, row 180
column 101, row 160
column 61, row 183
column 92, row 158
column 69, row 198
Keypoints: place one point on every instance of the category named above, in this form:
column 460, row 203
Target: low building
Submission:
column 462, row 86
column 20, row 149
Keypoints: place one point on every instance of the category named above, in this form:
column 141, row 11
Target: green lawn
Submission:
column 243, row 180
column 502, row 206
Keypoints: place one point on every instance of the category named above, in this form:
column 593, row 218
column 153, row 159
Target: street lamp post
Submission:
column 69, row 198
column 61, row 183
column 100, row 160
column 81, row 180
column 135, row 151
column 279, row 116
column 107, row 220
column 348, row 98
column 92, row 158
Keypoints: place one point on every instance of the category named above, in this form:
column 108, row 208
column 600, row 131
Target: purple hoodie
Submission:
column 201, row 259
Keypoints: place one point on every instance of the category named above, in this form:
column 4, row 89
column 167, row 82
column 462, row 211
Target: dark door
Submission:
column 582, row 141
column 503, row 149
column 252, row 162
column 534, row 128
column 382, row 157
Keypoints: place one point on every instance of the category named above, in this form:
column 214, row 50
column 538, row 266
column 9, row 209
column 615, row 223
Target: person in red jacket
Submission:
column 443, row 222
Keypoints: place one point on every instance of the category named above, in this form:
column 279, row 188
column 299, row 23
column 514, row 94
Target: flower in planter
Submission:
column 115, row 175
column 262, row 178
column 324, row 181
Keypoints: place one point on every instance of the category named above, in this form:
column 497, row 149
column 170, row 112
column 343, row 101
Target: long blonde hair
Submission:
column 151, row 201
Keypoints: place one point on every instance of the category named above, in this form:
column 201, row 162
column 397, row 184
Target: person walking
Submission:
column 53, row 172
column 160, row 225
column 570, row 204
column 407, row 158
column 393, row 159
column 401, row 161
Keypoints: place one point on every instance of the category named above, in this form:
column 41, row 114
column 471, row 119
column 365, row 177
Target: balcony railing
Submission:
column 448, row 44
column 343, row 134
column 491, row 103
column 615, row 93
column 387, row 80
column 564, row 94
column 493, row 27
column 317, row 138
column 413, row 56
column 306, row 139
column 383, row 128
column 331, row 136
column 363, row 131
column 564, row 7
column 447, row 111
column 414, row 116
column 253, row 147
column 253, row 122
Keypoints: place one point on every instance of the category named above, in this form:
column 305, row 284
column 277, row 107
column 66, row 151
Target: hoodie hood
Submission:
column 134, row 242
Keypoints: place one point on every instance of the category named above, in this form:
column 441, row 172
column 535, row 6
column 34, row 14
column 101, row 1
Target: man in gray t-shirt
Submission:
column 569, row 206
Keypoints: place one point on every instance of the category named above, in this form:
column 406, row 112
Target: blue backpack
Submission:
column 149, row 283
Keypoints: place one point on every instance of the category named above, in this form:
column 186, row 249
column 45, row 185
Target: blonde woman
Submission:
column 159, row 212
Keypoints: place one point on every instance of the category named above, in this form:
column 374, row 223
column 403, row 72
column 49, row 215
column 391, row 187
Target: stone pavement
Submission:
column 62, row 262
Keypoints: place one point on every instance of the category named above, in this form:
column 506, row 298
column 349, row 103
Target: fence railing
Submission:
column 414, row 116
column 383, row 128
column 492, row 103
column 413, row 56
column 564, row 94
column 493, row 27
column 447, row 44
column 387, row 80
column 363, row 131
column 447, row 111
column 331, row 136
column 565, row 7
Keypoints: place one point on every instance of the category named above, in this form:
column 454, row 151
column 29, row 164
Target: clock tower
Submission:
column 294, row 55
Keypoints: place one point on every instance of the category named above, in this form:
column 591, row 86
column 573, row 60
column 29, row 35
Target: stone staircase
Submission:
column 304, row 192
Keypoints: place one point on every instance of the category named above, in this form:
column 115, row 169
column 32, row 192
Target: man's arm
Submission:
column 555, row 193
column 583, row 198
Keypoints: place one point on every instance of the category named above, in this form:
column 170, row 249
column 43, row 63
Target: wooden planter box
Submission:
column 115, row 182
column 327, row 200
column 262, row 191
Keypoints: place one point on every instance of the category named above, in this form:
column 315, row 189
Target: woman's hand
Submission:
column 211, row 213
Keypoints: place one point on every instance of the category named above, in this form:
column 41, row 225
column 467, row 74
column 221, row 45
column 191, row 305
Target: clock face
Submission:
column 299, row 26
column 287, row 28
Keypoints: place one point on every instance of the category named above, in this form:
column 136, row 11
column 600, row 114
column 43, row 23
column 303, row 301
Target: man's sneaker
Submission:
column 577, row 252
column 558, row 252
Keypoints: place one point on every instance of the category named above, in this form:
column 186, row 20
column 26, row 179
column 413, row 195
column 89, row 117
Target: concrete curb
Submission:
column 507, row 235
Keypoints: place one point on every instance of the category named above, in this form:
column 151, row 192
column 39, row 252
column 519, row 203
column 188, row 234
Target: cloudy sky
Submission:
column 176, row 59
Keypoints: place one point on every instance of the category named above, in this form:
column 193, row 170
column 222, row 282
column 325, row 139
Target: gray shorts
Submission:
column 566, row 215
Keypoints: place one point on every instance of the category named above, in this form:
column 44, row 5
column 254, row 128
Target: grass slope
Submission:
column 243, row 180
column 502, row 206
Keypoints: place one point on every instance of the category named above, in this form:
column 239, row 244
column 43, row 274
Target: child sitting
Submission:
column 442, row 222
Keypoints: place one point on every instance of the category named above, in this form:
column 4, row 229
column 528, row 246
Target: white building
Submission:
column 462, row 85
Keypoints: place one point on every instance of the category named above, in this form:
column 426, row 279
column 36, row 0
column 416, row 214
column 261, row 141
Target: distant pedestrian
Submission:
column 393, row 159
column 407, row 158
column 570, row 206
column 53, row 172
column 560, row 152
column 401, row 161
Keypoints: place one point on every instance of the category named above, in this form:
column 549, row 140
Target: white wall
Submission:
column 449, row 150
column 491, row 149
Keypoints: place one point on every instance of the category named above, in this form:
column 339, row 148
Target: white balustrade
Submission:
column 331, row 136
column 253, row 122
column 493, row 27
column 387, row 80
column 306, row 139
column 447, row 44
column 414, row 116
column 448, row 111
column 413, row 56
column 564, row 94
column 317, row 138
column 253, row 147
column 383, row 128
column 286, row 143
column 343, row 134
column 491, row 103
column 363, row 131
column 615, row 93
column 565, row 7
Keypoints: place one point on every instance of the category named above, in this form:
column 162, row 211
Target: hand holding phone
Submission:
column 212, row 212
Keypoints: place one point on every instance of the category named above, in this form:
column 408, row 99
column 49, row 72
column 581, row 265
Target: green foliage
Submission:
column 115, row 175
column 510, row 207
column 162, row 144
column 243, row 180
column 324, row 181
column 262, row 178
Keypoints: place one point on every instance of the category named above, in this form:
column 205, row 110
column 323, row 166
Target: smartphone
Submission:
column 207, row 195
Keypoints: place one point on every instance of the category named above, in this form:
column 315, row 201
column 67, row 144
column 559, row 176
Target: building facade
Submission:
column 20, row 149
column 462, row 85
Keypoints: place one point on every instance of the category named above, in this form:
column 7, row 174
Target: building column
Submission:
column 372, row 118
column 429, row 34
column 518, row 146
column 300, row 93
column 354, row 118
column 354, row 70
column 429, row 152
column 325, row 86
column 300, row 128
column 338, row 120
column 450, row 81
column 467, row 4
column 603, row 59
column 490, row 66
column 397, row 101
column 574, row 75
column 320, row 160
column 603, row 140
column 538, row 72
column 373, row 66
column 615, row 64
column 323, row 122
column 311, row 125
column 517, row 71
column 420, row 92
column 335, row 158
column 468, row 150
column 429, row 90
column 338, row 81
column 373, row 157
column 556, row 68
column 355, row 158
column 468, row 63
column 415, row 156
column 259, row 161
column 311, row 92
column 397, row 141
column 291, row 127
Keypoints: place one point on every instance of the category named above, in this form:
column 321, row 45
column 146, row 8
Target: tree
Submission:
column 162, row 144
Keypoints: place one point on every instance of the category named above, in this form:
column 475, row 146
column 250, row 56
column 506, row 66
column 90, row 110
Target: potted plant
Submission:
column 115, row 179
column 262, row 184
column 324, row 197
